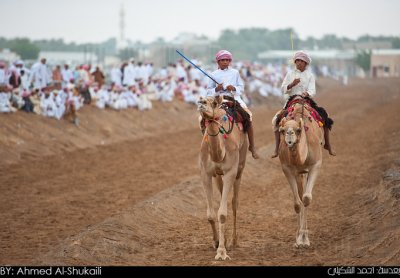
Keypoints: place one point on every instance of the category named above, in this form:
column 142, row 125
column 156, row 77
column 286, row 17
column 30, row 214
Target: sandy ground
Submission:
column 123, row 188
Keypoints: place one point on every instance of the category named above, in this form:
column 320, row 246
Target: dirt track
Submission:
column 123, row 189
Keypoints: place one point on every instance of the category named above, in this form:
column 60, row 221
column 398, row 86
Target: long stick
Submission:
column 197, row 67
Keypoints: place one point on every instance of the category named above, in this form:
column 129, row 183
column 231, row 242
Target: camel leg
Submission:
column 302, row 233
column 306, row 241
column 293, row 185
column 235, row 205
column 312, row 176
column 301, row 182
column 207, row 184
column 219, row 182
column 228, row 180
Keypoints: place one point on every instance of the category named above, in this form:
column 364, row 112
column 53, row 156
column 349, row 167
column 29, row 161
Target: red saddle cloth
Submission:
column 307, row 105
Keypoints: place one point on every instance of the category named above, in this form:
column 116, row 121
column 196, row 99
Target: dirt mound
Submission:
column 137, row 200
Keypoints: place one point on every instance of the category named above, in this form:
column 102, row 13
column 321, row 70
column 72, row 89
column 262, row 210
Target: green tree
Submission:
column 396, row 42
column 363, row 59
column 127, row 53
column 25, row 48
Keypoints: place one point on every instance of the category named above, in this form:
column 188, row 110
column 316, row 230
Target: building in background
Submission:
column 334, row 63
column 385, row 63
column 73, row 58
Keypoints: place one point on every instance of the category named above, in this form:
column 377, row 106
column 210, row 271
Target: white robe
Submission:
column 307, row 83
column 5, row 105
column 40, row 75
column 227, row 77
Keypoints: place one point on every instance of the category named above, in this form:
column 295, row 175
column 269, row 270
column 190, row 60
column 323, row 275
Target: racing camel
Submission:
column 222, row 158
column 300, row 155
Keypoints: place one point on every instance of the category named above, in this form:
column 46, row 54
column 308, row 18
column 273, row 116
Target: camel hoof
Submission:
column 302, row 246
column 297, row 208
column 302, row 240
column 221, row 255
column 307, row 200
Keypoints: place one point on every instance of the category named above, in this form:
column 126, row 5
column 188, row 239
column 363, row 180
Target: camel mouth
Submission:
column 202, row 107
column 291, row 144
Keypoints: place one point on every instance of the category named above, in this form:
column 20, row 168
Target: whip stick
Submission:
column 197, row 67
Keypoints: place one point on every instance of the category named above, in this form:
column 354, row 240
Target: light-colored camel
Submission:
column 222, row 157
column 300, row 153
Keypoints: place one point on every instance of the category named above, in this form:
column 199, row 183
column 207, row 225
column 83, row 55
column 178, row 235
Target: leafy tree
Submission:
column 25, row 48
column 127, row 53
column 396, row 42
column 363, row 59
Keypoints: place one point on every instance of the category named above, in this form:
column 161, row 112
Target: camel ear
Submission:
column 283, row 122
column 301, row 123
column 281, row 129
column 219, row 99
column 300, row 126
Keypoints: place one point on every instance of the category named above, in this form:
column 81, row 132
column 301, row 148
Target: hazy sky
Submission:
column 145, row 20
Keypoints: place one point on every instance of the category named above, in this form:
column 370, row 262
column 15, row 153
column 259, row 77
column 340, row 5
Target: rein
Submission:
column 221, row 129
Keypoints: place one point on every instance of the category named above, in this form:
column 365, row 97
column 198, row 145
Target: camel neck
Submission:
column 216, row 144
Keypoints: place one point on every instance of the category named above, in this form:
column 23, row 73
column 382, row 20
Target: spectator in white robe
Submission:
column 149, row 69
column 5, row 96
column 199, row 88
column 103, row 96
column 144, row 103
column 67, row 75
column 167, row 90
column 163, row 73
column 121, row 102
column 142, row 74
column 84, row 74
column 181, row 72
column 112, row 101
column 172, row 70
column 129, row 74
column 4, row 74
column 60, row 103
column 131, row 97
column 151, row 89
column 194, row 73
column 40, row 75
column 18, row 66
column 24, row 80
column 16, row 99
column 116, row 76
column 35, row 99
column 47, row 103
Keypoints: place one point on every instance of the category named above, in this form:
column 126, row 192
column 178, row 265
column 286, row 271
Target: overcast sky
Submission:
column 97, row 20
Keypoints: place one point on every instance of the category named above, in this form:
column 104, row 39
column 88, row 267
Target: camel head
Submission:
column 291, row 130
column 209, row 107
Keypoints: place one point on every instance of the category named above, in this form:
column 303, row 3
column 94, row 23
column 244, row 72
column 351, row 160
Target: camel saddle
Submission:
column 233, row 109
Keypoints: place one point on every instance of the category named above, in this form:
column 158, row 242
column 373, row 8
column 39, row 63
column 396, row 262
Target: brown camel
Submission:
column 222, row 157
column 300, row 154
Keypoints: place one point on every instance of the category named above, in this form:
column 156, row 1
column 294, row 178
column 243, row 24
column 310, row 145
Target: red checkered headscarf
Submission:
column 223, row 54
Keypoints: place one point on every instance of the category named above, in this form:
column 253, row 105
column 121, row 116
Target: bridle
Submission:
column 216, row 120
